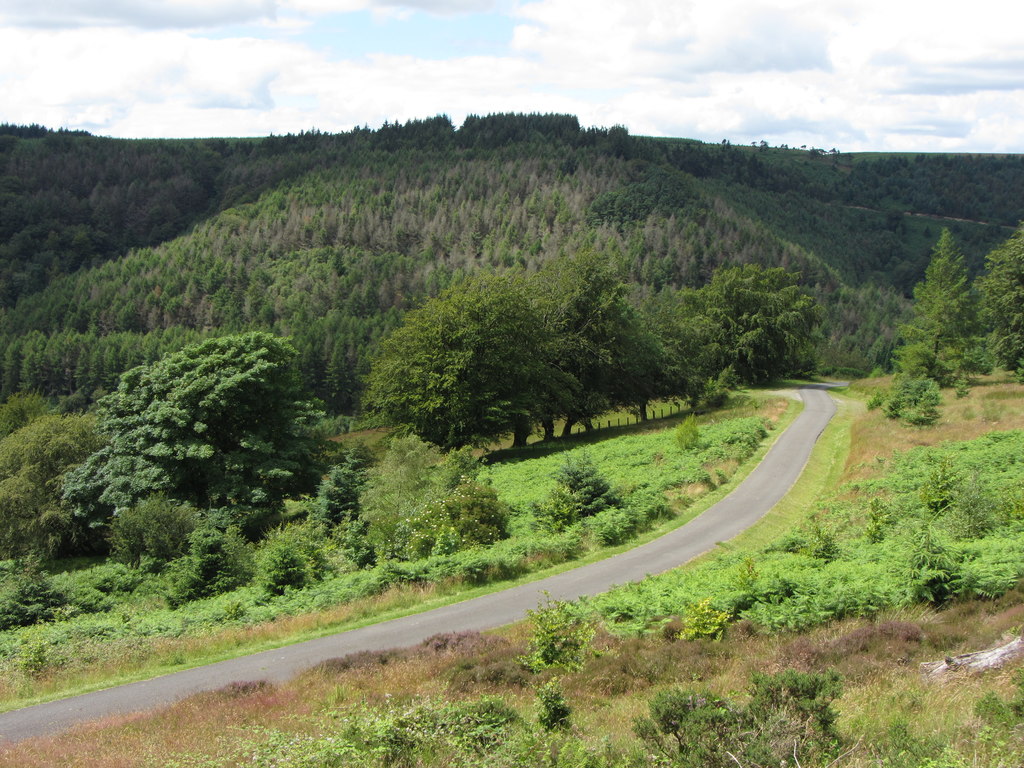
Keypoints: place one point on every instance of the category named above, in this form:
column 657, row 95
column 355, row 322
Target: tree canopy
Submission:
column 1003, row 294
column 497, row 354
column 222, row 425
column 945, row 317
column 33, row 461
column 466, row 366
column 760, row 322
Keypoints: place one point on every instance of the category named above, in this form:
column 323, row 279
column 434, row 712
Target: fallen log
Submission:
column 975, row 662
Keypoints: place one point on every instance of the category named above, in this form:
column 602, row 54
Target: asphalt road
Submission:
column 758, row 493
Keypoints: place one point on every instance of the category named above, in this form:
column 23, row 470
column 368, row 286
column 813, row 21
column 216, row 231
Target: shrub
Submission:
column 155, row 527
column 932, row 567
column 470, row 516
column 796, row 703
column 701, row 728
column 560, row 638
column 217, row 561
column 704, row 620
column 613, row 526
column 916, row 401
column 292, row 557
column 687, row 433
column 27, row 596
column 590, row 490
column 480, row 725
column 580, row 491
column 337, row 496
column 553, row 711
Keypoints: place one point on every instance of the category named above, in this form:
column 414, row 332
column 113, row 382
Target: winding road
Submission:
column 757, row 494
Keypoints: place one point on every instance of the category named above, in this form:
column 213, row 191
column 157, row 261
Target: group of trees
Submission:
column 114, row 253
column 957, row 329
column 222, row 427
column 505, row 353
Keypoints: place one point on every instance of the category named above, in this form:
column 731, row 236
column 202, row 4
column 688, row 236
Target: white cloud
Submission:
column 870, row 74
column 151, row 14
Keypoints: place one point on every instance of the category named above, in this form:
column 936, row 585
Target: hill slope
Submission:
column 116, row 252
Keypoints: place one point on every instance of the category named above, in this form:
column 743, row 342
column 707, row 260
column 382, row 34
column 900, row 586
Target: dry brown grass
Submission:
column 997, row 403
column 878, row 660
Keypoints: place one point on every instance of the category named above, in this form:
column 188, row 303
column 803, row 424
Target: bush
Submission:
column 470, row 516
column 932, row 567
column 688, row 433
column 553, row 711
column 701, row 728
column 337, row 496
column 27, row 596
column 916, row 401
column 589, row 489
column 217, row 561
column 155, row 527
column 792, row 708
column 292, row 558
column 560, row 638
column 704, row 620
column 580, row 491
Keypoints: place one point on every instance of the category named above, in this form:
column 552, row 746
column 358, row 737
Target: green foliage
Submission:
column 464, row 368
column 217, row 561
column 471, row 515
column 603, row 348
column 155, row 528
column 762, row 322
column 916, row 401
column 1002, row 289
column 35, row 461
column 221, row 425
column 291, row 557
column 580, row 492
column 337, row 496
column 645, row 464
column 334, row 236
column 559, row 638
column 553, row 711
column 701, row 728
column 945, row 318
column 404, row 480
column 803, row 700
column 688, row 433
column 932, row 567
column 881, row 547
column 702, row 620
column 19, row 409
column 789, row 714
column 459, row 734
column 27, row 595
column 939, row 490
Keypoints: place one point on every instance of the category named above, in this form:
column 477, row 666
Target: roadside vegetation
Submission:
column 175, row 486
column 698, row 682
column 434, row 526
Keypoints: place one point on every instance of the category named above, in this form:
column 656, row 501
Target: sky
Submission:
column 855, row 75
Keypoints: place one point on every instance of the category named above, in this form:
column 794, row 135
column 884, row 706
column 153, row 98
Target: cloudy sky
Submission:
column 850, row 74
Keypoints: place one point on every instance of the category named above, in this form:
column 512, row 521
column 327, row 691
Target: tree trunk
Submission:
column 522, row 431
column 567, row 428
column 979, row 660
column 549, row 428
column 641, row 410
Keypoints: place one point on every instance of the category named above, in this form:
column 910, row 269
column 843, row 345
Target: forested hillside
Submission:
column 114, row 252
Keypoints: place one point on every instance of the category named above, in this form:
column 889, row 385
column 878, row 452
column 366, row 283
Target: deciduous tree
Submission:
column 222, row 425
column 465, row 367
